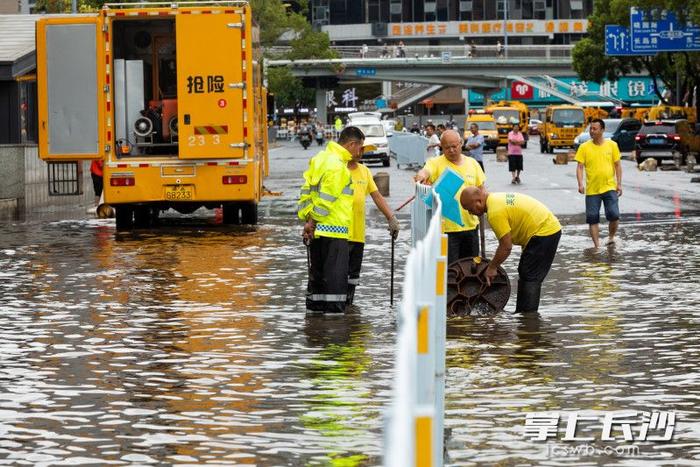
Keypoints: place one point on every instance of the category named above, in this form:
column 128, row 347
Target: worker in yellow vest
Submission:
column 325, row 205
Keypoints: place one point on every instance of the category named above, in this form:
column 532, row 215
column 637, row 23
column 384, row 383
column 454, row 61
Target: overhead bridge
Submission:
column 436, row 65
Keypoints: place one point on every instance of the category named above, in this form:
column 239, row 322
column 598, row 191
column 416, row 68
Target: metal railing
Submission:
column 415, row 422
column 436, row 51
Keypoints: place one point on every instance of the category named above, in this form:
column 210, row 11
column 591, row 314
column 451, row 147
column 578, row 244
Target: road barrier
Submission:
column 416, row 415
column 410, row 149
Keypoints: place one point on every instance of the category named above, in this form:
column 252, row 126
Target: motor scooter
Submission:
column 305, row 139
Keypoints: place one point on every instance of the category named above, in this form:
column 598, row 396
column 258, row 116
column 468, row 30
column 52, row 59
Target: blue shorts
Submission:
column 609, row 200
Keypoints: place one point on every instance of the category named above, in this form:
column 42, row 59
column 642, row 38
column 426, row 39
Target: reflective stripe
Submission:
column 326, row 196
column 329, row 297
column 332, row 228
column 305, row 191
column 304, row 205
column 320, row 211
column 348, row 190
column 313, row 187
column 354, row 281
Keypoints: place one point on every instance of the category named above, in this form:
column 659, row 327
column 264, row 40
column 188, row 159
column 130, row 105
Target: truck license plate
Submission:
column 179, row 192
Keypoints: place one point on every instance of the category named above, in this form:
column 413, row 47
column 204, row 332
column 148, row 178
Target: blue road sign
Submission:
column 365, row 72
column 661, row 32
column 618, row 41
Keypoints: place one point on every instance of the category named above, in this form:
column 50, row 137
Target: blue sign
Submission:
column 661, row 32
column 380, row 103
column 447, row 186
column 618, row 40
column 639, row 89
column 366, row 72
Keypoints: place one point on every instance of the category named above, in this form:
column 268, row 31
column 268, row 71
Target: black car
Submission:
column 621, row 130
column 658, row 140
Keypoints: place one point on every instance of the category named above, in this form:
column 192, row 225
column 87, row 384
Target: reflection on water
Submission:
column 189, row 345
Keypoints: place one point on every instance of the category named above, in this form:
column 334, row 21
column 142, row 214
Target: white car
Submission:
column 375, row 135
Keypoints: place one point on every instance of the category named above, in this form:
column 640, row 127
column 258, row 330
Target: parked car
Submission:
column 533, row 128
column 620, row 130
column 659, row 140
column 375, row 135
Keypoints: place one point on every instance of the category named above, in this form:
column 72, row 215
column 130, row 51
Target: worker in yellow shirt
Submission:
column 600, row 159
column 363, row 185
column 462, row 241
column 518, row 219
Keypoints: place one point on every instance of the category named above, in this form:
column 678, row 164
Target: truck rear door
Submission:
column 70, row 88
column 211, row 84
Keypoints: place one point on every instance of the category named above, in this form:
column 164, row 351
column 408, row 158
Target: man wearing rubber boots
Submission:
column 325, row 205
column 518, row 219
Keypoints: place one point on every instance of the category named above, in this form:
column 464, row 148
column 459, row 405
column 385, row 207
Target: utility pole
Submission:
column 505, row 27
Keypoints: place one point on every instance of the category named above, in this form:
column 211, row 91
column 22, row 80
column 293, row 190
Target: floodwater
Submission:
column 189, row 345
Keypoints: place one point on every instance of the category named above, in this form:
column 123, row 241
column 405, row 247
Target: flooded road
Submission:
column 188, row 345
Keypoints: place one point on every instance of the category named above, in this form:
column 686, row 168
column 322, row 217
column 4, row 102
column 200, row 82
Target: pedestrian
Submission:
column 518, row 219
column 385, row 51
column 363, row 185
column 338, row 126
column 475, row 144
column 364, row 51
column 472, row 50
column 516, row 140
column 433, row 148
column 402, row 50
column 600, row 159
column 462, row 241
column 325, row 205
column 96, row 173
column 499, row 49
column 440, row 129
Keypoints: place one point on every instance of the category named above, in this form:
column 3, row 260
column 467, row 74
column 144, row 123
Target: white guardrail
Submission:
column 415, row 420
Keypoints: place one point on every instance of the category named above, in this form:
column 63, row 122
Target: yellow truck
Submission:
column 562, row 123
column 671, row 112
column 506, row 113
column 168, row 95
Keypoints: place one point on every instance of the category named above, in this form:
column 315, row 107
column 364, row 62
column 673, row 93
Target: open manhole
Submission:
column 468, row 292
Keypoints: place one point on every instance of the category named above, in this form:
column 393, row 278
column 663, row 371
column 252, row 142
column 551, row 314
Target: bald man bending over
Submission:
column 462, row 241
column 518, row 219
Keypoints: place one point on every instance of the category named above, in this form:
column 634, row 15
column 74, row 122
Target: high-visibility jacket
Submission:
column 326, row 195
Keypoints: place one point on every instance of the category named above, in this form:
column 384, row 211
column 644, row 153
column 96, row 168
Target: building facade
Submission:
column 526, row 21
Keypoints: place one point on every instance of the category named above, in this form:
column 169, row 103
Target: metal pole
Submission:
column 391, row 290
column 505, row 28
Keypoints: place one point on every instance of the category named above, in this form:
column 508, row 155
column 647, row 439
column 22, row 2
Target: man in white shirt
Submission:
column 433, row 141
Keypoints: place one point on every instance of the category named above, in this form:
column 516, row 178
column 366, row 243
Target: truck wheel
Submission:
column 249, row 213
column 386, row 162
column 124, row 215
column 230, row 212
column 550, row 149
column 142, row 217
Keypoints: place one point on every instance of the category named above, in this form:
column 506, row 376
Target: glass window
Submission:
column 568, row 117
column 372, row 130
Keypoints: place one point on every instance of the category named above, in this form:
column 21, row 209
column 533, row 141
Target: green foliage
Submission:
column 288, row 89
column 591, row 63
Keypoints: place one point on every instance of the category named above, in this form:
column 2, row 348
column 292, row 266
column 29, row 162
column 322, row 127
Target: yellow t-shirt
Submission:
column 521, row 215
column 599, row 161
column 362, row 184
column 473, row 175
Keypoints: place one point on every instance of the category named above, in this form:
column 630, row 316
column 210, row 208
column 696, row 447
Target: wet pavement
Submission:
column 188, row 344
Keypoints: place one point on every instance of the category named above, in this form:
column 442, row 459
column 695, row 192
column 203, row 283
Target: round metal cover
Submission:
column 468, row 292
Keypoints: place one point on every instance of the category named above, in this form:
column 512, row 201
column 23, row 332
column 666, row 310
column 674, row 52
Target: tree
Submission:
column 591, row 63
